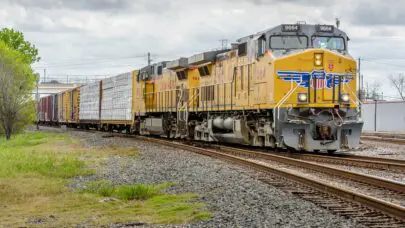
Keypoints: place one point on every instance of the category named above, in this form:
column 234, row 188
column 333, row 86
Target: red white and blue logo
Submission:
column 315, row 79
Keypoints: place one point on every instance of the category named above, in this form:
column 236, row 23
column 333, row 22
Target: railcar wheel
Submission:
column 330, row 152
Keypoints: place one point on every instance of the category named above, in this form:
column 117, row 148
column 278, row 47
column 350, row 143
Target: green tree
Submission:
column 17, row 108
column 16, row 41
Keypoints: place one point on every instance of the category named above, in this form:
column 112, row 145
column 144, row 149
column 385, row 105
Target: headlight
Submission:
column 302, row 97
column 345, row 97
column 318, row 59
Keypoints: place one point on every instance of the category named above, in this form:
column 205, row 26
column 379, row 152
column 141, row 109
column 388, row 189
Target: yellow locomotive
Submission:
column 290, row 86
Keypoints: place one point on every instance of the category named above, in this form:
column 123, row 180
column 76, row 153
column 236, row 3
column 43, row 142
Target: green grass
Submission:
column 125, row 192
column 36, row 168
column 27, row 153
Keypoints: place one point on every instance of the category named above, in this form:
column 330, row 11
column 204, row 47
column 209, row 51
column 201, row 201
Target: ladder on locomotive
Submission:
column 182, row 114
column 183, row 111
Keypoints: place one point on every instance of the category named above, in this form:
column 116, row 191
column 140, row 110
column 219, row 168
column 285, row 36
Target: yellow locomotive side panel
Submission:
column 158, row 90
column 160, row 94
column 225, row 80
column 241, row 91
column 150, row 98
column 165, row 92
column 139, row 103
column 193, row 86
column 166, row 88
column 171, row 91
column 237, row 84
column 263, row 86
column 294, row 72
column 207, row 88
column 220, row 84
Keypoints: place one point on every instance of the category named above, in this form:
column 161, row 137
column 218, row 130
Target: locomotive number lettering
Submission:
column 291, row 28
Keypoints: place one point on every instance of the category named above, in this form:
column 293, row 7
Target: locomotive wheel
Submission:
column 330, row 152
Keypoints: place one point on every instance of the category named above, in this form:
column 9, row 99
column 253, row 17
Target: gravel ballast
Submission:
column 231, row 193
column 380, row 149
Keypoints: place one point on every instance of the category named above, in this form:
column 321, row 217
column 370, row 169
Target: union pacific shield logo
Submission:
column 317, row 79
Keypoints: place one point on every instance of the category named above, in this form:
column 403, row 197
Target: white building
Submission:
column 48, row 89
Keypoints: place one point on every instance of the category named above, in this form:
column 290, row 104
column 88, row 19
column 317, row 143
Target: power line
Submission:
column 382, row 63
column 111, row 63
column 95, row 59
column 77, row 64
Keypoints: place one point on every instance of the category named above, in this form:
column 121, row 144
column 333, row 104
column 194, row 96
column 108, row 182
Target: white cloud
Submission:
column 69, row 32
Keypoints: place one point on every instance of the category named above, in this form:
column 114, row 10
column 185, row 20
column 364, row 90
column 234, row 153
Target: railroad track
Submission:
column 369, row 211
column 353, row 160
column 384, row 136
column 339, row 158
column 371, row 180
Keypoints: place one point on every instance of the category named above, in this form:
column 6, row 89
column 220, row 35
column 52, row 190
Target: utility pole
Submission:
column 44, row 75
column 368, row 95
column 38, row 99
column 224, row 43
column 360, row 80
column 149, row 59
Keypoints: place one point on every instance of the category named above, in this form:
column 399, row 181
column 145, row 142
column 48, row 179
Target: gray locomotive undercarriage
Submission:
column 309, row 129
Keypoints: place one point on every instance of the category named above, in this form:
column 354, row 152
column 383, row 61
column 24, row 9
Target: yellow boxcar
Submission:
column 66, row 106
column 60, row 108
column 74, row 105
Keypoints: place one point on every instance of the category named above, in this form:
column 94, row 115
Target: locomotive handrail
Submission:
column 292, row 90
column 180, row 107
column 191, row 99
column 355, row 95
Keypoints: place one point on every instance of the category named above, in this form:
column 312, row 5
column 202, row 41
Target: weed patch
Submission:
column 125, row 192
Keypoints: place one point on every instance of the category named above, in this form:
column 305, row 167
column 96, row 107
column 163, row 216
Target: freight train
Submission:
column 291, row 86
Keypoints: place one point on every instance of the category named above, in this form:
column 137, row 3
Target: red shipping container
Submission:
column 48, row 111
column 41, row 111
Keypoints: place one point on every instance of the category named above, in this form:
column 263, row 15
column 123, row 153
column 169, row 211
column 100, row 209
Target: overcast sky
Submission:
column 100, row 37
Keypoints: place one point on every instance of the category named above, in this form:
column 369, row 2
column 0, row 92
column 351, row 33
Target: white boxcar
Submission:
column 116, row 104
column 90, row 102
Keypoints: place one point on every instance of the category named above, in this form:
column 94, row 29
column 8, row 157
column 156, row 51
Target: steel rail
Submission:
column 374, row 159
column 384, row 139
column 374, row 181
column 361, row 161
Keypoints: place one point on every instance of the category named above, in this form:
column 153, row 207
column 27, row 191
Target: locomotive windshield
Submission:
column 288, row 42
column 328, row 42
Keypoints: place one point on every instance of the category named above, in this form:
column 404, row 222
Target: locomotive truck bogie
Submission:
column 323, row 131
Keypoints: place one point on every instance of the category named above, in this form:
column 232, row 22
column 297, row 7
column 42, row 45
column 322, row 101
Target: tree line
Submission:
column 17, row 80
column 372, row 91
